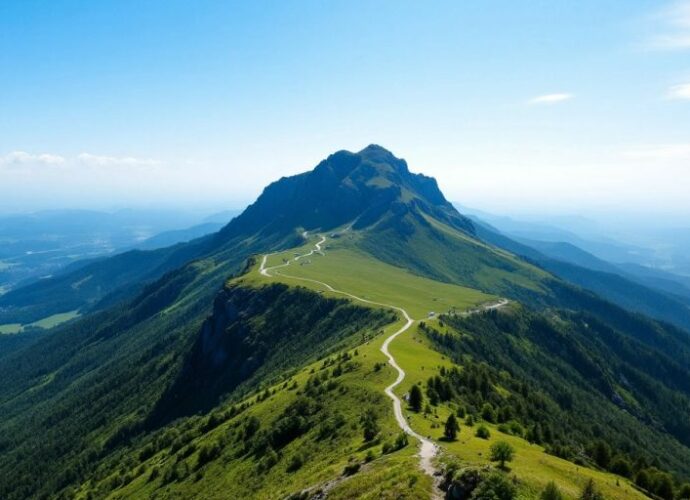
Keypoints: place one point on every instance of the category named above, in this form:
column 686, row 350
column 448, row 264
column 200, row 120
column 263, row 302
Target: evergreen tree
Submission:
column 602, row 454
column 416, row 398
column 452, row 427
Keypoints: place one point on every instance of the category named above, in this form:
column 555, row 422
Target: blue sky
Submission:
column 513, row 106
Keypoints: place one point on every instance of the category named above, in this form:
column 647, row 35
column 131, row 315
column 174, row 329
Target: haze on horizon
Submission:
column 551, row 107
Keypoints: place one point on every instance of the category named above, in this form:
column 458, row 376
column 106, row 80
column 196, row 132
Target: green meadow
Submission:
column 350, row 270
column 45, row 323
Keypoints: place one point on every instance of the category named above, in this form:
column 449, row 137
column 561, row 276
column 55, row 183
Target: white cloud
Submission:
column 675, row 27
column 24, row 158
column 551, row 98
column 680, row 91
column 660, row 152
column 107, row 161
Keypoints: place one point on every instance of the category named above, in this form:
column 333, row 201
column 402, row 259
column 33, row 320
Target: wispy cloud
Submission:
column 680, row 91
column 674, row 30
column 24, row 158
column 551, row 98
column 107, row 161
column 28, row 160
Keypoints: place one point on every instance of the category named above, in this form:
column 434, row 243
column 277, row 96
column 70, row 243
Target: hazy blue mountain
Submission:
column 173, row 237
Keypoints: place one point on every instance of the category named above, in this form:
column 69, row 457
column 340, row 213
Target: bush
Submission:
column 351, row 469
column 621, row 467
column 551, row 492
column 488, row 413
column 495, row 487
column 590, row 492
column 684, row 492
column 483, row 432
column 370, row 425
column 296, row 462
column 401, row 441
column 208, row 453
column 502, row 452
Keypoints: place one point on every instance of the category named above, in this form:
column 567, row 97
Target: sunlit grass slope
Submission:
column 532, row 466
column 346, row 268
column 234, row 474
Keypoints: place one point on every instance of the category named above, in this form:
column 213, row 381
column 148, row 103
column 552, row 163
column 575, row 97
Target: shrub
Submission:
column 551, row 492
column 488, row 413
column 684, row 492
column 351, row 469
column 370, row 426
column 495, row 487
column 296, row 462
column 621, row 467
column 483, row 432
column 590, row 492
column 642, row 480
column 401, row 441
column 208, row 453
column 502, row 452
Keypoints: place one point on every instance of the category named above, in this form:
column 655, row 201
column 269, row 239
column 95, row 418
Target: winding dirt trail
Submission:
column 428, row 449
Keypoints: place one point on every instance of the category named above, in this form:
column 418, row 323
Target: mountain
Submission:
column 36, row 245
column 169, row 238
column 255, row 362
column 580, row 268
column 579, row 232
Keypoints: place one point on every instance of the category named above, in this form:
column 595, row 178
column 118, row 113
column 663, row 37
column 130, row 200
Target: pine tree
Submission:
column 452, row 427
column 416, row 398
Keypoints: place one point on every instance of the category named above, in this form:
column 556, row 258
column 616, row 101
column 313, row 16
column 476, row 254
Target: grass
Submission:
column 10, row 328
column 5, row 265
column 531, row 465
column 45, row 323
column 55, row 319
column 394, row 475
column 348, row 269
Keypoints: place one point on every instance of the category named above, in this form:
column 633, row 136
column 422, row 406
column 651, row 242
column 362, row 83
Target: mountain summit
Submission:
column 362, row 189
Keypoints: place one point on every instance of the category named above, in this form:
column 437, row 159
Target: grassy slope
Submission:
column 47, row 322
column 388, row 476
column 350, row 270
column 531, row 465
